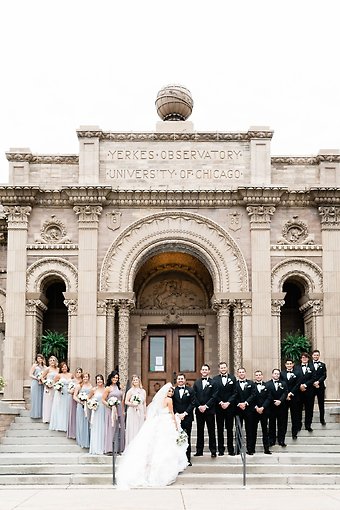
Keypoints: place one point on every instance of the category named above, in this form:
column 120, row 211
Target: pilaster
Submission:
column 124, row 307
column 71, row 303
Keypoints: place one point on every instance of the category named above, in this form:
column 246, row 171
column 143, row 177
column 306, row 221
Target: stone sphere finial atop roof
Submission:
column 174, row 102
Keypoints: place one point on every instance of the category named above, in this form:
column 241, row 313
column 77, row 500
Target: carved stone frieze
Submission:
column 177, row 293
column 53, row 231
column 17, row 216
column 330, row 217
column 174, row 137
column 88, row 213
column 28, row 157
column 260, row 214
column 295, row 231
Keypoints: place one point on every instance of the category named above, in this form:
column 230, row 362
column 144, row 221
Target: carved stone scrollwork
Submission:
column 88, row 213
column 201, row 331
column 260, row 215
column 101, row 307
column 295, row 232
column 330, row 217
column 277, row 304
column 17, row 216
column 72, row 306
column 53, row 231
column 315, row 305
column 33, row 305
column 143, row 333
column 172, row 317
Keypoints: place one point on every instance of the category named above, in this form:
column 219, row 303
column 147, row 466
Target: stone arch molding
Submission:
column 304, row 269
column 51, row 266
column 174, row 231
column 2, row 304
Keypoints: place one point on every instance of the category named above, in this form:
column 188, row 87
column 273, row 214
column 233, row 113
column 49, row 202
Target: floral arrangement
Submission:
column 113, row 401
column 2, row 383
column 40, row 377
column 58, row 386
column 182, row 438
column 82, row 396
column 92, row 404
column 48, row 383
column 70, row 387
column 136, row 399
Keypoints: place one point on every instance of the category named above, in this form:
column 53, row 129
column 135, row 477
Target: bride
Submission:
column 153, row 458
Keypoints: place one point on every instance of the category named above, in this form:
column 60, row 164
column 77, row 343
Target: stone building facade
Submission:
column 166, row 249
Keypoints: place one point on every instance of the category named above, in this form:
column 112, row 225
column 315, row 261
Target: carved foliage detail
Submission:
column 295, row 232
column 53, row 231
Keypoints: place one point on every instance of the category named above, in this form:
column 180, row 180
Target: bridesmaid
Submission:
column 72, row 411
column 48, row 378
column 114, row 422
column 37, row 387
column 82, row 421
column 135, row 400
column 97, row 418
column 59, row 413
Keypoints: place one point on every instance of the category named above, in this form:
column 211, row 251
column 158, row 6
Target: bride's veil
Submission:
column 157, row 401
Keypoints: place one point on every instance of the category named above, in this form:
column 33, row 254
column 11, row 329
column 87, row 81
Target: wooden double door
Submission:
column 167, row 352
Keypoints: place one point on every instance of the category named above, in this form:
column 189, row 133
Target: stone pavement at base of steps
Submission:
column 170, row 498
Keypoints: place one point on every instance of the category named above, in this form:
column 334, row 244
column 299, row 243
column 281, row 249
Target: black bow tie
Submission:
column 204, row 378
column 259, row 383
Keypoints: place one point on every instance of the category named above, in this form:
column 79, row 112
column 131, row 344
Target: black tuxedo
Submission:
column 205, row 396
column 185, row 404
column 305, row 398
column 226, row 388
column 262, row 399
column 292, row 402
column 247, row 396
column 277, row 414
column 320, row 375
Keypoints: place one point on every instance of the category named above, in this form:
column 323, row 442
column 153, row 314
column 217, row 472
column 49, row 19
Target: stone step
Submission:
column 24, row 432
column 54, row 458
column 38, row 440
column 29, row 426
column 42, row 448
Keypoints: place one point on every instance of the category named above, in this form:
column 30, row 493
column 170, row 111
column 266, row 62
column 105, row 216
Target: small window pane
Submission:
column 187, row 353
column 157, row 345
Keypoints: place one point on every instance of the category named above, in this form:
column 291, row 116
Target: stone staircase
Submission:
column 30, row 454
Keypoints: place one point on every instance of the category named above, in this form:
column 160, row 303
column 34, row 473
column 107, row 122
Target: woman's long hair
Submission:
column 109, row 378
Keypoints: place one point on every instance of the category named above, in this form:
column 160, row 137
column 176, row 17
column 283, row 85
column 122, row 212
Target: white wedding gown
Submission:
column 153, row 458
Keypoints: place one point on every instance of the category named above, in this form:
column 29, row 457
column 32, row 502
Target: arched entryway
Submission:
column 291, row 316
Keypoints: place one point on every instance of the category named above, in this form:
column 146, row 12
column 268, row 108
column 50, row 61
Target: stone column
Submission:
column 86, row 350
column 35, row 309
column 101, row 336
column 110, row 336
column 238, row 336
column 312, row 312
column 262, row 351
column 74, row 359
column 277, row 304
column 330, row 230
column 124, row 307
column 223, row 336
column 17, row 217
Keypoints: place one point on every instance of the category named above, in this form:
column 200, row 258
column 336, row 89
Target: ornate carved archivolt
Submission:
column 295, row 232
column 303, row 269
column 51, row 266
column 174, row 231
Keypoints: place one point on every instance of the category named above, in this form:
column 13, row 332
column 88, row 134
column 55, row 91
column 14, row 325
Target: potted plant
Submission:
column 54, row 343
column 294, row 344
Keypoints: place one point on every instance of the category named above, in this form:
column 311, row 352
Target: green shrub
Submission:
column 294, row 344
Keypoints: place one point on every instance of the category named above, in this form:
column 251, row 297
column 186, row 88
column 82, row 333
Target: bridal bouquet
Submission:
column 70, row 387
column 136, row 399
column 82, row 396
column 48, row 383
column 92, row 404
column 113, row 402
column 58, row 385
column 182, row 438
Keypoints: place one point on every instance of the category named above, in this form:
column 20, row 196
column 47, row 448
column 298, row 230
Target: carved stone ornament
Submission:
column 113, row 220
column 174, row 293
column 88, row 213
column 260, row 214
column 234, row 221
column 172, row 318
column 295, row 232
column 53, row 231
column 17, row 215
column 330, row 217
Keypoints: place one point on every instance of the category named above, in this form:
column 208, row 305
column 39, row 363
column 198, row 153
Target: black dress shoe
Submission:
column 213, row 454
column 232, row 454
column 189, row 463
column 220, row 454
column 309, row 429
column 323, row 423
column 283, row 445
column 294, row 436
column 250, row 453
column 198, row 454
column 267, row 452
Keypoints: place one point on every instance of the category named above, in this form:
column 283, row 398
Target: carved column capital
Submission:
column 17, row 216
column 313, row 305
column 330, row 217
column 222, row 306
column 260, row 216
column 101, row 307
column 88, row 214
column 34, row 305
column 125, row 306
column 71, row 305
column 277, row 304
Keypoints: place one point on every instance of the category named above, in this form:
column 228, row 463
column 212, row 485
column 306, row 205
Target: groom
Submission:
column 183, row 404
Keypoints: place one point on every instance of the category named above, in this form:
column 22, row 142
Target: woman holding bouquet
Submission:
column 37, row 387
column 114, row 416
column 48, row 379
column 135, row 400
column 72, row 412
column 156, row 455
column 80, row 396
column 97, row 421
column 61, row 401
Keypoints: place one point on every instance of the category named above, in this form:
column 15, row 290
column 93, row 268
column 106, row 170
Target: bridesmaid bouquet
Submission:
column 92, row 404
column 58, row 385
column 40, row 377
column 70, row 387
column 113, row 402
column 82, row 396
column 182, row 438
column 135, row 399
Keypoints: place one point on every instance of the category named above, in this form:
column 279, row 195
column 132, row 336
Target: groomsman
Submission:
column 320, row 375
column 306, row 378
column 260, row 410
column 289, row 377
column 277, row 411
column 205, row 392
column 183, row 404
column 225, row 408
column 245, row 396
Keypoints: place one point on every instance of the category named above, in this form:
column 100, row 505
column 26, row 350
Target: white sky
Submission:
column 66, row 63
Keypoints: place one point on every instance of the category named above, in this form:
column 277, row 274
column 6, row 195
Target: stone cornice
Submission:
column 261, row 195
column 325, row 196
column 86, row 195
column 18, row 195
column 305, row 160
column 175, row 137
column 47, row 159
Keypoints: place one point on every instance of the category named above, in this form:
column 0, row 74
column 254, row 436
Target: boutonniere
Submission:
column 280, row 386
column 248, row 386
column 186, row 392
column 208, row 385
column 308, row 370
column 230, row 381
